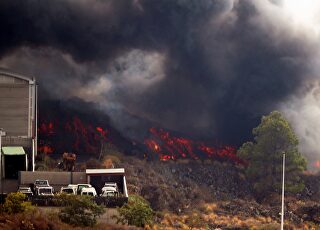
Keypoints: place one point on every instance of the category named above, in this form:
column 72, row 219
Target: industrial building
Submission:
column 18, row 123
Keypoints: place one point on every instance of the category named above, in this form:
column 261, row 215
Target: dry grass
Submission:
column 210, row 216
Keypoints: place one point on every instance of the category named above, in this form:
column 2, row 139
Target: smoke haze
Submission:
column 206, row 68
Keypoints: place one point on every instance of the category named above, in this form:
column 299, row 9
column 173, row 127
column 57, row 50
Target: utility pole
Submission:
column 282, row 197
column 2, row 133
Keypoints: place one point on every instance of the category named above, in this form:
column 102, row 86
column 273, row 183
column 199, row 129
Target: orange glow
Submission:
column 45, row 149
column 71, row 134
column 317, row 164
column 169, row 147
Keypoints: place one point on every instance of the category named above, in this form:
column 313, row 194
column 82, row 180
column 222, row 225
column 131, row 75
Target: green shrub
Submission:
column 16, row 203
column 136, row 212
column 79, row 210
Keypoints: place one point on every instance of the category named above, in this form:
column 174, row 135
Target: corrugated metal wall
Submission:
column 14, row 109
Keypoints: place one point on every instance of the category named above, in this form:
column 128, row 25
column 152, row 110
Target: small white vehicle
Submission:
column 74, row 186
column 25, row 190
column 68, row 190
column 41, row 183
column 44, row 191
column 109, row 192
column 91, row 191
column 109, row 189
column 110, row 184
column 82, row 186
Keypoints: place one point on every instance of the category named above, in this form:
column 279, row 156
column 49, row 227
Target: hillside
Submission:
column 187, row 182
column 216, row 195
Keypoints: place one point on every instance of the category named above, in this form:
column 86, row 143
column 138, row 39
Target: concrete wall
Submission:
column 9, row 186
column 56, row 179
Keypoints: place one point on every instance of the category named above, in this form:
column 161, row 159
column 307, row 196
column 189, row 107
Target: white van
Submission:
column 69, row 190
column 82, row 186
column 91, row 191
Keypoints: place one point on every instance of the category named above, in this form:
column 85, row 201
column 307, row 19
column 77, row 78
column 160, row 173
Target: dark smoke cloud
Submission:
column 207, row 68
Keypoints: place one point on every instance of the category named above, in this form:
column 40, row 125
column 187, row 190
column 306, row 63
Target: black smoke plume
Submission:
column 206, row 68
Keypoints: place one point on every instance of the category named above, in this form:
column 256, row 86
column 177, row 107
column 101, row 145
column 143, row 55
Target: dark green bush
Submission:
column 79, row 210
column 136, row 212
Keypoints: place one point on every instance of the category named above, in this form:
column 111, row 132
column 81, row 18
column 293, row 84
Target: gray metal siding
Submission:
column 17, row 141
column 18, row 111
column 14, row 109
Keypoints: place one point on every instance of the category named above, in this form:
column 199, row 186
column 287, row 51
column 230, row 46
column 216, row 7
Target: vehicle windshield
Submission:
column 83, row 186
column 41, row 182
column 80, row 187
column 45, row 191
column 67, row 190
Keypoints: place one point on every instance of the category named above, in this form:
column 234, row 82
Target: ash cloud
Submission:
column 206, row 68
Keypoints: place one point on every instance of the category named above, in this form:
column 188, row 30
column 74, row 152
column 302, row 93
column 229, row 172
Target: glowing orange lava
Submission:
column 169, row 147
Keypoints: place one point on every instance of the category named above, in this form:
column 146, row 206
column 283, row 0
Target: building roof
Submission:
column 17, row 150
column 119, row 171
column 10, row 73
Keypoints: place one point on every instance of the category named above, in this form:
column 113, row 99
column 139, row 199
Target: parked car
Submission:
column 44, row 191
column 25, row 190
column 109, row 189
column 91, row 191
column 41, row 183
column 110, row 185
column 42, row 188
column 81, row 186
column 74, row 186
column 109, row 192
column 68, row 190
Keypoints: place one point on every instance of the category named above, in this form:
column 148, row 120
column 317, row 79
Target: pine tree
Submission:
column 273, row 137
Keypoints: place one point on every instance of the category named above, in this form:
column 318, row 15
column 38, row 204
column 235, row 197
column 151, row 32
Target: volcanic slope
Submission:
column 214, row 194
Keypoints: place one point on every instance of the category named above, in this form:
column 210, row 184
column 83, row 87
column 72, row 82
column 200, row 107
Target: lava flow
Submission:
column 72, row 135
column 169, row 147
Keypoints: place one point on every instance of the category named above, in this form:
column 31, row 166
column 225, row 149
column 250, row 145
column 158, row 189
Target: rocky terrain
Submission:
column 216, row 195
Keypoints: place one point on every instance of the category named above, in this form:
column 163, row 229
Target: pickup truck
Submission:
column 44, row 191
column 43, row 188
column 110, row 189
